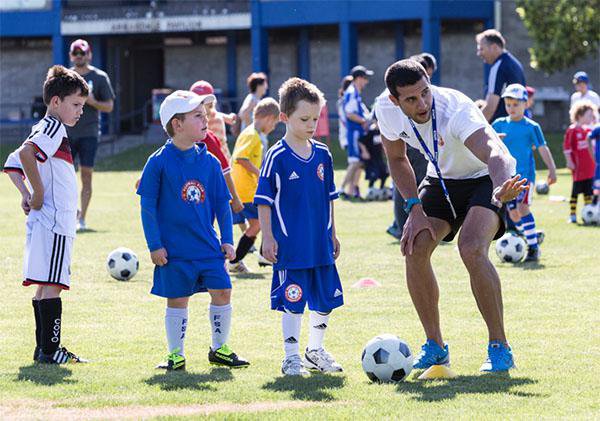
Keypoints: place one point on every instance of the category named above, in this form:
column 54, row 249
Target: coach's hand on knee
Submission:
column 159, row 257
column 417, row 221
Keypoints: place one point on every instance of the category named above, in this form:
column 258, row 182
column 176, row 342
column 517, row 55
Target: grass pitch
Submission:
column 551, row 313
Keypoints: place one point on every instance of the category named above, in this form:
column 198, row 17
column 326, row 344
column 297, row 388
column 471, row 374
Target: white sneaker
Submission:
column 262, row 261
column 81, row 225
column 292, row 366
column 238, row 267
column 319, row 359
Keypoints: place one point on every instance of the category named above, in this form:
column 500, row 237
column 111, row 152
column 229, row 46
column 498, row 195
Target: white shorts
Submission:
column 47, row 257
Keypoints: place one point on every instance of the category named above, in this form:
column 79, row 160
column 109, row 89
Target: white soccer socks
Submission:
column 291, row 324
column 176, row 325
column 318, row 325
column 220, row 324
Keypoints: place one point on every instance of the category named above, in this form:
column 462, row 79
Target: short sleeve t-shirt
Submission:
column 248, row 146
column 457, row 118
column 188, row 186
column 352, row 104
column 522, row 137
column 505, row 70
column 589, row 96
column 577, row 146
column 299, row 192
column 213, row 145
column 55, row 165
column 88, row 124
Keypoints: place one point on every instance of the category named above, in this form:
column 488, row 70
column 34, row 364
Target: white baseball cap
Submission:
column 180, row 102
column 516, row 91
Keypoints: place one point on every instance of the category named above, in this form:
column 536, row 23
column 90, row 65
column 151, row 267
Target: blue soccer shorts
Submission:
column 250, row 211
column 352, row 149
column 184, row 278
column 320, row 287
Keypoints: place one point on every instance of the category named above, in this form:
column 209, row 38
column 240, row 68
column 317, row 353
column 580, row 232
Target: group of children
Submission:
column 183, row 190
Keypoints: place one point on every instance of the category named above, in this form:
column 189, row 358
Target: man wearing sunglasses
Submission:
column 84, row 135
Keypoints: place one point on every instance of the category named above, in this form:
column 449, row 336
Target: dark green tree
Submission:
column 563, row 31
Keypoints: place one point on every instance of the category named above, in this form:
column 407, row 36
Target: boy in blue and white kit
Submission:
column 521, row 136
column 182, row 190
column 295, row 206
column 595, row 136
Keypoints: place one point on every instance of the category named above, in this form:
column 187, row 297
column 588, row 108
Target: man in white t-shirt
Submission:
column 582, row 90
column 469, row 177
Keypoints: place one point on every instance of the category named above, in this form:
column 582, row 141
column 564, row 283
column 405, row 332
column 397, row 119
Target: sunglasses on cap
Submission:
column 79, row 53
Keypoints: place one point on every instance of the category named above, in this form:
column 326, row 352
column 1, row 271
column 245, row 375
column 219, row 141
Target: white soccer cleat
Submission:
column 319, row 359
column 81, row 225
column 292, row 366
column 262, row 261
column 238, row 267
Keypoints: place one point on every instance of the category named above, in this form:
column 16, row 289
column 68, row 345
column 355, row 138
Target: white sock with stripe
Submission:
column 220, row 324
column 176, row 325
column 318, row 325
column 529, row 230
column 291, row 324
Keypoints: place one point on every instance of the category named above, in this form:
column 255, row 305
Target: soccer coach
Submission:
column 469, row 177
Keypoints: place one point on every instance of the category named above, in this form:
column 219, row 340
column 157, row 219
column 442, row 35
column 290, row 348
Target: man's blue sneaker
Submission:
column 432, row 354
column 499, row 358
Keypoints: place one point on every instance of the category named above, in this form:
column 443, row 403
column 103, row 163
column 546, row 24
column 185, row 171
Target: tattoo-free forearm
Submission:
column 547, row 158
column 29, row 163
column 403, row 176
column 264, row 217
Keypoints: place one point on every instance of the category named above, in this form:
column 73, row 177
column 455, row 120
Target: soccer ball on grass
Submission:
column 510, row 248
column 122, row 264
column 387, row 358
column 590, row 214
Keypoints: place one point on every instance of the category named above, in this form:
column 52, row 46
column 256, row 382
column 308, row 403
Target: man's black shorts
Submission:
column 464, row 195
column 85, row 148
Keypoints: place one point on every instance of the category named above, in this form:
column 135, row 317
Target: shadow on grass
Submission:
column 176, row 380
column 91, row 231
column 313, row 388
column 242, row 276
column 432, row 391
column 530, row 265
column 45, row 374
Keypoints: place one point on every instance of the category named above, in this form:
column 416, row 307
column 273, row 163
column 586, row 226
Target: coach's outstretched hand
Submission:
column 417, row 221
column 510, row 189
column 159, row 257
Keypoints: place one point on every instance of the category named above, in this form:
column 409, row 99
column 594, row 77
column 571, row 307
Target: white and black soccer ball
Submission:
column 511, row 248
column 541, row 187
column 122, row 264
column 590, row 214
column 387, row 358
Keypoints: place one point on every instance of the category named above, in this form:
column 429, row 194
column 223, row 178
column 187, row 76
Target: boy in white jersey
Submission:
column 295, row 207
column 49, row 199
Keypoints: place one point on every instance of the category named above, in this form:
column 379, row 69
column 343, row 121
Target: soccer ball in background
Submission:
column 541, row 187
column 387, row 358
column 591, row 214
column 122, row 264
column 510, row 248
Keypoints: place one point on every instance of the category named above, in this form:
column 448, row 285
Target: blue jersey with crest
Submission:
column 190, row 192
column 299, row 192
column 522, row 137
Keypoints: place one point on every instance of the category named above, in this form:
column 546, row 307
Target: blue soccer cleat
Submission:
column 432, row 354
column 499, row 358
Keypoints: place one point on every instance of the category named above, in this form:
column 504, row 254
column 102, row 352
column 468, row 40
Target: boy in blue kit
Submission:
column 295, row 209
column 521, row 136
column 595, row 136
column 182, row 190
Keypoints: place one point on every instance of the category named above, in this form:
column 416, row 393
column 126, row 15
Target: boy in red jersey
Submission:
column 578, row 154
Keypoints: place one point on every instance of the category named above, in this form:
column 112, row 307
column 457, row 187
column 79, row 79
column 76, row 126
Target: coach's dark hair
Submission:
column 403, row 73
column 491, row 36
column 254, row 80
column 426, row 60
column 62, row 82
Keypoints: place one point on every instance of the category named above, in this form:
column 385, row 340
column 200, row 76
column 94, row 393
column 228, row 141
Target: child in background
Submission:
column 577, row 150
column 595, row 138
column 376, row 168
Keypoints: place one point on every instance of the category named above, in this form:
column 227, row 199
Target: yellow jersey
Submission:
column 248, row 146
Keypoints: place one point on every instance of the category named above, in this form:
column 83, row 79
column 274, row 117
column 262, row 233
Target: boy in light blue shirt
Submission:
column 295, row 206
column 182, row 191
column 521, row 136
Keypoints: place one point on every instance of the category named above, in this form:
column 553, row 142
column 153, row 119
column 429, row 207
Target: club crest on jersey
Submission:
column 293, row 293
column 193, row 192
column 321, row 172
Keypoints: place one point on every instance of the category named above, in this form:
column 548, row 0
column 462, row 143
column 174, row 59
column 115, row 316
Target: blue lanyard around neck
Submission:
column 433, row 158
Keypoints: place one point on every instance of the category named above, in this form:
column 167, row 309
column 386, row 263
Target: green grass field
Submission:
column 551, row 313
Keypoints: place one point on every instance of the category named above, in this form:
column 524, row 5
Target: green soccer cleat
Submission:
column 174, row 361
column 226, row 357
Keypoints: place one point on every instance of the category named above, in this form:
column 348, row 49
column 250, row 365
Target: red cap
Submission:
column 530, row 90
column 202, row 87
column 80, row 44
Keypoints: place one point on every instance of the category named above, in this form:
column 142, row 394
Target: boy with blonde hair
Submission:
column 246, row 160
column 295, row 206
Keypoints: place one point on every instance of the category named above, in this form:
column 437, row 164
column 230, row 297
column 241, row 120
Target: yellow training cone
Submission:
column 437, row 372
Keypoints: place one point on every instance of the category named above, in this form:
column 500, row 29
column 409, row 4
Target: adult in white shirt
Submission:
column 582, row 91
column 258, row 85
column 476, row 170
